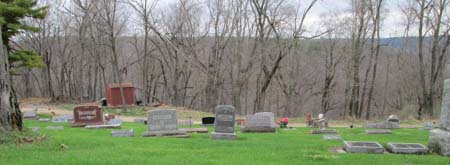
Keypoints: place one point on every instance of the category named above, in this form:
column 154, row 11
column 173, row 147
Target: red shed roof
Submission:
column 124, row 85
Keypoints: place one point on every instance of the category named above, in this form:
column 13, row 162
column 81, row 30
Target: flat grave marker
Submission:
column 324, row 131
column 122, row 133
column 363, row 147
column 407, row 148
column 332, row 137
column 378, row 131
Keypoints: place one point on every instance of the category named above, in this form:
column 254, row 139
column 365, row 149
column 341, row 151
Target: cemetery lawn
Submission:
column 284, row 147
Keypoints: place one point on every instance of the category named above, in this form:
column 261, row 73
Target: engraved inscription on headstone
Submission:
column 162, row 120
column 87, row 115
column 224, row 123
column 163, row 123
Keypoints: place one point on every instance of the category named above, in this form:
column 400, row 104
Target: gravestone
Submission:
column 44, row 119
column 87, row 115
column 428, row 126
column 324, row 131
column 363, row 147
column 115, row 122
column 62, row 118
column 55, row 127
column 224, row 123
column 439, row 140
column 332, row 137
column 382, row 125
column 30, row 115
column 142, row 121
column 271, row 115
column 393, row 119
column 163, row 123
column 35, row 129
column 378, row 131
column 208, row 121
column 122, row 133
column 258, row 123
column 407, row 148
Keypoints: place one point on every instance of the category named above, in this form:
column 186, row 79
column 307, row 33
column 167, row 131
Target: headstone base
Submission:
column 439, row 141
column 258, row 129
column 324, row 131
column 179, row 133
column 195, row 130
column 207, row 125
column 382, row 125
column 84, row 124
column 223, row 136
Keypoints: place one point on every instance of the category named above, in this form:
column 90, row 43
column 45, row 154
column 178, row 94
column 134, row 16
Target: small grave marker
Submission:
column 258, row 123
column 407, row 148
column 332, row 137
column 208, row 121
column 363, row 147
column 55, row 127
column 87, row 115
column 122, row 133
column 324, row 131
column 378, row 131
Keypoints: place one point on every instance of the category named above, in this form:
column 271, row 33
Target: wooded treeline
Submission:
column 258, row 55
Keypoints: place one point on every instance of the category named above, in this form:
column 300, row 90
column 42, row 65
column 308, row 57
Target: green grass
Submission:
column 284, row 147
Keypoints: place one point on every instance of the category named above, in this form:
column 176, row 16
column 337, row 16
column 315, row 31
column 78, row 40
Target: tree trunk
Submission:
column 10, row 115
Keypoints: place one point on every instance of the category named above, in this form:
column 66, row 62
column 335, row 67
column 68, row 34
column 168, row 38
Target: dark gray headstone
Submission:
column 363, row 147
column 224, row 123
column 407, row 148
column 122, row 133
column 378, row 131
column 208, row 121
column 163, row 123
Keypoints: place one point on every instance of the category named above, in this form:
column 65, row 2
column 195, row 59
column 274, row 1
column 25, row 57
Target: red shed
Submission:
column 113, row 97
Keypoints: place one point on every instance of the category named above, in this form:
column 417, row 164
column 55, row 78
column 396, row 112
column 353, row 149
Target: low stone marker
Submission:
column 208, row 121
column 164, row 123
column 103, row 126
column 142, row 121
column 363, row 147
column 55, row 127
column 382, row 125
column 378, row 131
column 35, row 129
column 62, row 118
column 44, row 119
column 428, row 126
column 122, row 133
column 324, row 131
column 195, row 130
column 332, row 137
column 30, row 115
column 115, row 122
column 87, row 115
column 407, row 148
column 258, row 123
column 224, row 123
